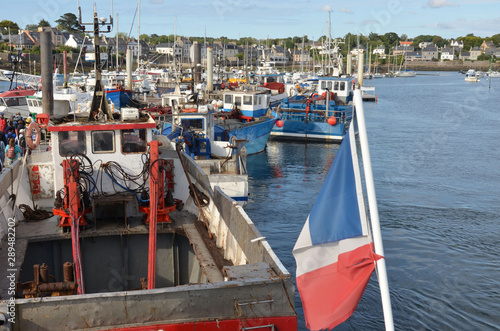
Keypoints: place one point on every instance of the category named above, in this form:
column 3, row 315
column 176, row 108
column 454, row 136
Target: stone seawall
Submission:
column 451, row 65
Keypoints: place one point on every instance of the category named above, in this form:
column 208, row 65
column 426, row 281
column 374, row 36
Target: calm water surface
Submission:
column 434, row 142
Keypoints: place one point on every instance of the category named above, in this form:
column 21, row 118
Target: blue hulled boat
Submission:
column 120, row 97
column 317, row 118
column 245, row 114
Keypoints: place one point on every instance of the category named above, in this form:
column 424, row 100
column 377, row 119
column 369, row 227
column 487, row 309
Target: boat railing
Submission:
column 342, row 116
column 232, row 228
column 13, row 186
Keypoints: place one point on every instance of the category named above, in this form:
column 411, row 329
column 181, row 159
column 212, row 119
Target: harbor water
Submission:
column 435, row 157
column 435, row 153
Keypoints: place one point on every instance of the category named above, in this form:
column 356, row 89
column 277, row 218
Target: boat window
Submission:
column 12, row 102
column 342, row 86
column 228, row 98
column 323, row 84
column 103, row 142
column 71, row 142
column 329, row 86
column 2, row 103
column 22, row 101
column 336, row 86
column 247, row 100
column 192, row 124
column 237, row 101
column 258, row 100
column 134, row 141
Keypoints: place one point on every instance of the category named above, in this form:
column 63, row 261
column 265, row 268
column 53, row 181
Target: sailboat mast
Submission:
column 139, row 35
column 117, row 45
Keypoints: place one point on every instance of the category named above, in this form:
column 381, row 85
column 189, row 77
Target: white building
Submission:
column 458, row 44
column 448, row 54
column 75, row 41
column 380, row 51
column 168, row 48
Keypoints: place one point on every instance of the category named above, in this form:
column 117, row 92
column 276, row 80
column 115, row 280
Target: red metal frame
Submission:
column 157, row 212
column 97, row 127
column 75, row 216
column 288, row 323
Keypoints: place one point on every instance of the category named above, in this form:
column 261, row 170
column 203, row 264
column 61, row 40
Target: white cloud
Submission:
column 326, row 8
column 441, row 3
column 366, row 22
column 345, row 10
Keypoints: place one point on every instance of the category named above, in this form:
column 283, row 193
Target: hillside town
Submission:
column 291, row 51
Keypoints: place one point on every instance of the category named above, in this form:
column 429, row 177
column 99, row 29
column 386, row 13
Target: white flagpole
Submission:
column 372, row 203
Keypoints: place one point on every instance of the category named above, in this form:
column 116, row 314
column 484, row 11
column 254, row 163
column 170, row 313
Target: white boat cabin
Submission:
column 123, row 142
column 251, row 103
column 12, row 102
column 343, row 88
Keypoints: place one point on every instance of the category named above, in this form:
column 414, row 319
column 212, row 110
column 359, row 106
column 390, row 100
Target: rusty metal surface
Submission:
column 236, row 299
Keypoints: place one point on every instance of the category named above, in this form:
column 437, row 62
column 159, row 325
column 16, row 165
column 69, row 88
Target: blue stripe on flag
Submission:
column 335, row 214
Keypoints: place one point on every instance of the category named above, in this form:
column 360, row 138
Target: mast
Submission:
column 117, row 44
column 139, row 35
column 99, row 107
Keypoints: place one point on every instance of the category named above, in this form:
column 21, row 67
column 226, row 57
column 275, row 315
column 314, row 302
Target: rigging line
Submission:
column 128, row 39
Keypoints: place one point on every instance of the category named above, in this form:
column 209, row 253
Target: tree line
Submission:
column 69, row 23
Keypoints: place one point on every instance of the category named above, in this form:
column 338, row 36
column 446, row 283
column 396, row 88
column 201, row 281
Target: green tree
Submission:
column 391, row 38
column 146, row 38
column 43, row 23
column 470, row 41
column 6, row 24
column 68, row 23
column 483, row 57
column 31, row 27
column 496, row 39
column 438, row 41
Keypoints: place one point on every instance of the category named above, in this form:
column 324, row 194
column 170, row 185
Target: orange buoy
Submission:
column 332, row 120
column 33, row 130
column 280, row 123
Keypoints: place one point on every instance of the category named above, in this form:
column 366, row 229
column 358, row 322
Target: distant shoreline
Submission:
column 446, row 66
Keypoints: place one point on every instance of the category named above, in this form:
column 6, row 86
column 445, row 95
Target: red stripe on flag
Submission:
column 330, row 294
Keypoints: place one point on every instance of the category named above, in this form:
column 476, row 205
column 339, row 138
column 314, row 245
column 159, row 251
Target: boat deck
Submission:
column 184, row 223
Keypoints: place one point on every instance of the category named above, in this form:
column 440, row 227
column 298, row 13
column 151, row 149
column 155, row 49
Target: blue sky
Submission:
column 277, row 19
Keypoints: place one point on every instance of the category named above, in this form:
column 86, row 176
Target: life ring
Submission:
column 190, row 110
column 40, row 80
column 314, row 95
column 33, row 129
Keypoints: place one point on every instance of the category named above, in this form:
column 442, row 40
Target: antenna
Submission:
column 99, row 102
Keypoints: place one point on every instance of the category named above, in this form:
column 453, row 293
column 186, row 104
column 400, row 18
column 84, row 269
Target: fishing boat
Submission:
column 245, row 114
column 105, row 226
column 219, row 156
column 342, row 89
column 14, row 101
column 471, row 76
column 312, row 119
column 86, row 265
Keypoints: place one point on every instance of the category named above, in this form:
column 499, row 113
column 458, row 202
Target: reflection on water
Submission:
column 434, row 147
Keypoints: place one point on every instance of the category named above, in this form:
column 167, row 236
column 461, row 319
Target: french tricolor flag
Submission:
column 334, row 252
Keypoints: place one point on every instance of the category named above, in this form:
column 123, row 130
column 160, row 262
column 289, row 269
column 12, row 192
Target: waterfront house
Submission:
column 77, row 40
column 430, row 53
column 380, row 51
column 56, row 35
column 20, row 41
column 495, row 52
column 456, row 45
column 486, row 45
column 401, row 50
column 475, row 52
column 464, row 56
column 447, row 54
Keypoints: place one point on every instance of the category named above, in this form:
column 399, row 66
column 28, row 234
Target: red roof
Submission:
column 17, row 93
